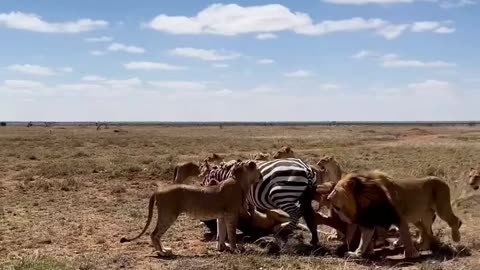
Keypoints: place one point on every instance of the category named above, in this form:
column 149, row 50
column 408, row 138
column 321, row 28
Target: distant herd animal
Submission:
column 269, row 193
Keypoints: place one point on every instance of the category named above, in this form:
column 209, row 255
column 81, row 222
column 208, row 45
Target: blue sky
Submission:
column 239, row 61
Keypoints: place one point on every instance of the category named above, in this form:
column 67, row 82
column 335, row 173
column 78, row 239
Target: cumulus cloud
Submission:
column 265, row 20
column 99, row 39
column 35, row 23
column 151, row 66
column 118, row 47
column 432, row 26
column 23, row 84
column 265, row 61
column 32, row 69
column 394, row 61
column 203, row 54
column 298, row 74
column 264, row 36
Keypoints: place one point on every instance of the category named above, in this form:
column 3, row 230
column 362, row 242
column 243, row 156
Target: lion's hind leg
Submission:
column 445, row 212
column 164, row 221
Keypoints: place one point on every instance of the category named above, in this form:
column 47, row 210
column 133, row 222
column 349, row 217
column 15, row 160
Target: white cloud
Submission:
column 99, row 39
column 96, row 53
column 118, row 47
column 127, row 83
column 151, row 66
column 445, row 30
column 178, row 85
column 361, row 54
column 23, row 84
column 265, row 61
column 399, row 63
column 298, row 74
column 394, row 61
column 390, row 32
column 425, row 26
column 35, row 23
column 232, row 19
column 364, row 2
column 264, row 36
column 32, row 69
column 207, row 55
column 220, row 65
column 431, row 84
column 93, row 78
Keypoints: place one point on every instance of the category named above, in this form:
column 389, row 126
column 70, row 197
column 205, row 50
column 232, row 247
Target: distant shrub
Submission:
column 3, row 124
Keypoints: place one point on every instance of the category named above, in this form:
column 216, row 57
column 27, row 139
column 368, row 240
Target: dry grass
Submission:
column 67, row 197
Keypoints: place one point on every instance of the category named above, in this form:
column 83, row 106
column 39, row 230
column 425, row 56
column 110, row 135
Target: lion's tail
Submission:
column 149, row 219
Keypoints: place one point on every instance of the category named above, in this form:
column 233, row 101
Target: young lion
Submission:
column 223, row 202
column 474, row 178
column 376, row 200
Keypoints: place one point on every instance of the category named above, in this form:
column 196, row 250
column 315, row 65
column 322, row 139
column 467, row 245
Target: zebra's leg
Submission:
column 309, row 215
column 294, row 214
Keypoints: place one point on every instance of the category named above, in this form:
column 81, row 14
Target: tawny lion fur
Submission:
column 374, row 199
column 474, row 178
column 223, row 202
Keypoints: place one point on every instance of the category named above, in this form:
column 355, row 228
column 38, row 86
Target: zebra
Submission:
column 288, row 184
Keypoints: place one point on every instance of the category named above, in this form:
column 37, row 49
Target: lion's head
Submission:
column 362, row 199
column 247, row 172
column 214, row 158
column 284, row 152
column 329, row 169
column 260, row 156
column 474, row 178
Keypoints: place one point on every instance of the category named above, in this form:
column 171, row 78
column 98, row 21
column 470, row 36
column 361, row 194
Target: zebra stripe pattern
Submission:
column 284, row 182
column 217, row 174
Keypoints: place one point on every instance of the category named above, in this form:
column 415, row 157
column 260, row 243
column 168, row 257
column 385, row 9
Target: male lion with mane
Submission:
column 223, row 202
column 374, row 199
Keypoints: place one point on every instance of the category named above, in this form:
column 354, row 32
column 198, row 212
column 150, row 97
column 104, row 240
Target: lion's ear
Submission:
column 356, row 183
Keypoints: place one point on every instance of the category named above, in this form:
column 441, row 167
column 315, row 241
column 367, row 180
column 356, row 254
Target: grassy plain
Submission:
column 67, row 195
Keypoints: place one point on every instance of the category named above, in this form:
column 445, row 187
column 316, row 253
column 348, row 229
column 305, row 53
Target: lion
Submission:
column 374, row 199
column 185, row 170
column 329, row 169
column 474, row 178
column 214, row 159
column 284, row 152
column 223, row 202
column 260, row 156
column 333, row 220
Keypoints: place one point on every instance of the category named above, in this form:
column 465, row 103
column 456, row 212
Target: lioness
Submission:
column 184, row 171
column 474, row 178
column 284, row 152
column 223, row 202
column 375, row 199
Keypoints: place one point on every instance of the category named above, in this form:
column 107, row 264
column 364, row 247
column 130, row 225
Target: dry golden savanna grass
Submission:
column 68, row 195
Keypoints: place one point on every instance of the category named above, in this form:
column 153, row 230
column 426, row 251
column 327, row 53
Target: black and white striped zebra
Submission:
column 286, row 185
